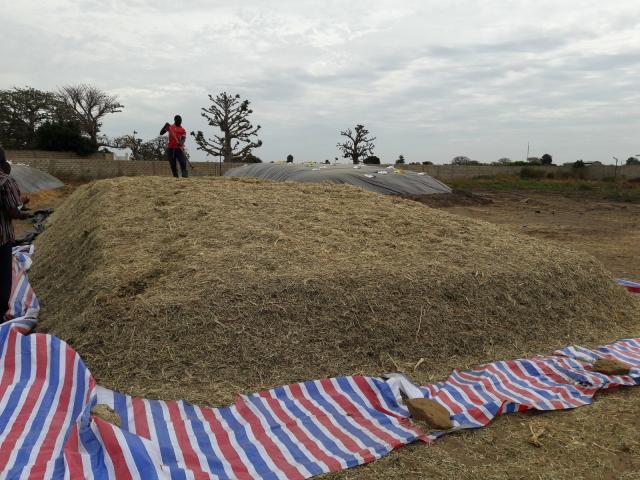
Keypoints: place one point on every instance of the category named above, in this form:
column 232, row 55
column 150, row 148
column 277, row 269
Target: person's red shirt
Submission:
column 176, row 134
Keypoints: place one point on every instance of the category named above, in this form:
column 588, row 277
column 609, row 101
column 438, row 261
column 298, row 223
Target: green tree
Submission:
column 462, row 160
column 289, row 158
column 149, row 150
column 633, row 161
column 23, row 111
column 230, row 115
column 546, row 159
column 64, row 137
column 400, row 160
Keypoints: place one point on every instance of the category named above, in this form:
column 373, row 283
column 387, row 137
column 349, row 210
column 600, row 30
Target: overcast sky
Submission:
column 431, row 79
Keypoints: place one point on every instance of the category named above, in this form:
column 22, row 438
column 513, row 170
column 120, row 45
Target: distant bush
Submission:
column 372, row 160
column 551, row 175
column 427, row 163
column 63, row 137
column 251, row 158
column 532, row 173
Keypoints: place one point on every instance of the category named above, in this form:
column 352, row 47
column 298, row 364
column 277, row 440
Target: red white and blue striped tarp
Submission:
column 297, row 431
column 633, row 287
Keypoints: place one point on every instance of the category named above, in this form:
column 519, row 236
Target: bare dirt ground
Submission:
column 610, row 231
column 601, row 441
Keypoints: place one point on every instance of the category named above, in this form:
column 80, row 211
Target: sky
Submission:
column 430, row 79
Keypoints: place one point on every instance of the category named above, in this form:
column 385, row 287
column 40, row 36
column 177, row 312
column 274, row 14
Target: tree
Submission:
column 546, row 159
column 62, row 137
column 251, row 158
column 400, row 160
column 22, row 112
column 357, row 145
column 504, row 161
column 427, row 163
column 239, row 137
column 462, row 160
column 289, row 158
column 633, row 161
column 90, row 105
column 372, row 160
column 149, row 150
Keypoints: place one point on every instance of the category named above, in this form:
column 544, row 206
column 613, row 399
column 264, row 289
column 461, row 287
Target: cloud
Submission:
column 430, row 79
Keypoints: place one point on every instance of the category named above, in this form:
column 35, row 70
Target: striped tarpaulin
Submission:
column 633, row 287
column 292, row 432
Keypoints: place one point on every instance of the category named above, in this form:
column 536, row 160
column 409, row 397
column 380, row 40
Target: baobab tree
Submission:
column 357, row 145
column 239, row 137
column 90, row 105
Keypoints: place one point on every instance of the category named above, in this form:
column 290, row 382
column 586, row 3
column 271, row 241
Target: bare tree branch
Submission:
column 358, row 144
column 90, row 105
column 239, row 137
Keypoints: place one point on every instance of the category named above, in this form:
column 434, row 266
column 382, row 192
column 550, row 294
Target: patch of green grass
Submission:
column 620, row 191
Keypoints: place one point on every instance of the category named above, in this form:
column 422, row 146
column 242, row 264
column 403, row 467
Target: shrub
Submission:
column 532, row 173
column 63, row 137
column 372, row 160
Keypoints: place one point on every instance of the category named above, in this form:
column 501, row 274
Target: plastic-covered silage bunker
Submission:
column 388, row 181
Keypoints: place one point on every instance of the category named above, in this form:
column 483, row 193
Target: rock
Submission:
column 106, row 413
column 611, row 367
column 431, row 412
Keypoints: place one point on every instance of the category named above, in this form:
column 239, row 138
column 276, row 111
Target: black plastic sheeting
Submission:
column 388, row 181
column 38, row 221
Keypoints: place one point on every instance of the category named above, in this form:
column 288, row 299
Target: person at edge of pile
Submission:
column 175, row 146
column 10, row 204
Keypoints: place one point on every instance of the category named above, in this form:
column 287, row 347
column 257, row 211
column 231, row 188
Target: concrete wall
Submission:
column 19, row 155
column 69, row 166
column 89, row 169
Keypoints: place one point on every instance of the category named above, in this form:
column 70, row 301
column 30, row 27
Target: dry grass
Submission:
column 206, row 288
column 596, row 442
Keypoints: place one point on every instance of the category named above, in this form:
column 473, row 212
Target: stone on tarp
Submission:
column 106, row 413
column 611, row 367
column 431, row 412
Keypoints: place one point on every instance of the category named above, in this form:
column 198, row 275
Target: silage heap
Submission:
column 206, row 288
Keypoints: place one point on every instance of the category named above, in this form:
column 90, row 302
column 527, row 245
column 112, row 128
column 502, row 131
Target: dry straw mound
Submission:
column 204, row 288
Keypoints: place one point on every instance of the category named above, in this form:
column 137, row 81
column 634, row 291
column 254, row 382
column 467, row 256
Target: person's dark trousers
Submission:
column 175, row 156
column 6, row 275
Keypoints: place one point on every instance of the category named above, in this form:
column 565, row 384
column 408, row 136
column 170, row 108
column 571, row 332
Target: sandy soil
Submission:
column 610, row 231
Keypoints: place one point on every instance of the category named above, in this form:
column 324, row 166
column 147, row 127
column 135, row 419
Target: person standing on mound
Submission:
column 10, row 203
column 175, row 147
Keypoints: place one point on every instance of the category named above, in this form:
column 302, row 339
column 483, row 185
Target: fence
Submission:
column 447, row 173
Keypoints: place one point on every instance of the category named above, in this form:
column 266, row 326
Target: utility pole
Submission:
column 615, row 172
column 526, row 159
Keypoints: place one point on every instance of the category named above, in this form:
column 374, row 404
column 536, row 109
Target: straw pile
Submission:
column 206, row 288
